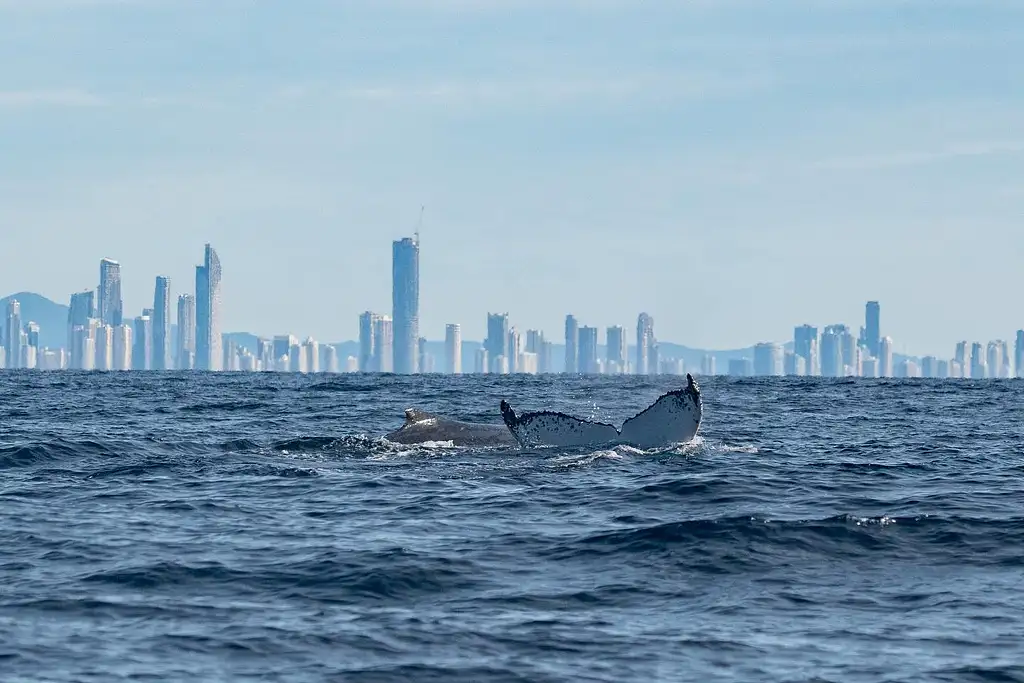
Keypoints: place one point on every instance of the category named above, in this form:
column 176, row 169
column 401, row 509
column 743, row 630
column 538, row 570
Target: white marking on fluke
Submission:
column 672, row 419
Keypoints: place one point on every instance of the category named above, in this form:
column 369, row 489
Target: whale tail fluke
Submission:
column 509, row 415
column 672, row 419
column 549, row 428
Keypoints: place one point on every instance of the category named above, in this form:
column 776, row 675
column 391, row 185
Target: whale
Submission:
column 672, row 419
column 422, row 427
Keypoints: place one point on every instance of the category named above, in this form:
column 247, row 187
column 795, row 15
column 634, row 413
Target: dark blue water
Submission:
column 255, row 527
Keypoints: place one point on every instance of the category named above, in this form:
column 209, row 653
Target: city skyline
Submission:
column 107, row 302
column 145, row 342
column 732, row 168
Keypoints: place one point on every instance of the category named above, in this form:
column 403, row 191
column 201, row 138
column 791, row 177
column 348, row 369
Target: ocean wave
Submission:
column 51, row 451
column 338, row 577
column 949, row 540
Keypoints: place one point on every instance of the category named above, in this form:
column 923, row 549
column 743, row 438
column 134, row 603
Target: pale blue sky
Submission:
column 734, row 167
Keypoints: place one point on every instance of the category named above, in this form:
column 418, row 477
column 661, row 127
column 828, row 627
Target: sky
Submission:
column 733, row 167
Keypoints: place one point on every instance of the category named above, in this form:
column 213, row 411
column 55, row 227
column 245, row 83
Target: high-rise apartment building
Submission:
column 109, row 304
column 453, row 349
column 805, row 337
column 977, row 369
column 80, row 311
column 329, row 359
column 367, row 345
column 515, row 351
column 963, row 358
column 832, row 352
column 768, row 359
column 546, row 357
column 383, row 342
column 311, row 354
column 424, row 359
column 185, row 353
column 994, row 354
column 644, row 343
column 885, row 366
column 497, row 343
column 12, row 334
column 1018, row 354
column 405, row 303
column 122, row 359
column 872, row 329
column 615, row 349
column 104, row 345
column 162, row 324
column 588, row 363
column 209, row 353
column 572, row 343
column 142, row 348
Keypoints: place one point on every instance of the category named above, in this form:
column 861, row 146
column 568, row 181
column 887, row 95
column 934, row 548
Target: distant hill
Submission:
column 53, row 319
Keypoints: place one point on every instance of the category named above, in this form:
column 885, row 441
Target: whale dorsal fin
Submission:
column 414, row 415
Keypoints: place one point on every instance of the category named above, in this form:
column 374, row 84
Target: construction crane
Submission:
column 418, row 224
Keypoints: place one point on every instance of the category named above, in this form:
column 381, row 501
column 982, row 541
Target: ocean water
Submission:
column 193, row 527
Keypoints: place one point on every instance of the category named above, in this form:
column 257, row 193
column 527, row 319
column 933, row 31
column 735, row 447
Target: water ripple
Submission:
column 187, row 526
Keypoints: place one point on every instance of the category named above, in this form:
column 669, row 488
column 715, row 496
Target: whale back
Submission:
column 423, row 427
column 550, row 428
column 672, row 419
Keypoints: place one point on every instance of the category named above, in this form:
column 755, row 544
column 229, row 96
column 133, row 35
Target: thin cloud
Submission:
column 922, row 157
column 61, row 97
column 540, row 90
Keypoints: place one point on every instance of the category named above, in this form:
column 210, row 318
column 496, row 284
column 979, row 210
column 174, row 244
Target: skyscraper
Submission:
column 768, row 359
column 587, row 360
column 142, row 335
column 122, row 359
column 515, row 351
column 12, row 334
column 994, row 355
column 1018, row 354
column 453, row 348
column 885, row 368
column 832, row 352
column 615, row 348
column 644, row 343
column 80, row 311
column 104, row 347
column 977, row 361
column 805, row 338
column 872, row 329
column 162, row 324
column 497, row 342
column 405, row 303
column 572, row 341
column 110, row 306
column 209, row 355
column 383, row 343
column 367, row 342
column 186, row 351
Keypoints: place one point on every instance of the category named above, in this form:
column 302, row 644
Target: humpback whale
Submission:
column 672, row 419
column 421, row 426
